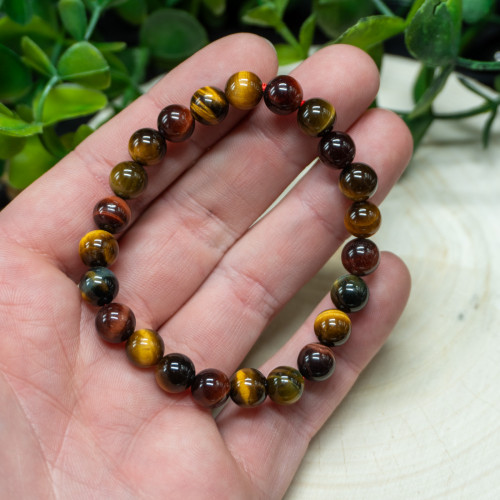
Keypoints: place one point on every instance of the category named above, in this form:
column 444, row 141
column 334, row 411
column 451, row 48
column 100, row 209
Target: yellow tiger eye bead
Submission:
column 362, row 219
column 144, row 348
column 244, row 90
column 332, row 327
column 98, row 248
column 285, row 385
column 209, row 105
column 316, row 117
column 248, row 387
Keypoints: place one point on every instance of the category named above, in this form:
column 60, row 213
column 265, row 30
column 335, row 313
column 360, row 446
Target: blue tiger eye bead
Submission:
column 349, row 293
column 98, row 286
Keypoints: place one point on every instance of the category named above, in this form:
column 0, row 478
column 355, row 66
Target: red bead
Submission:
column 176, row 123
column 210, row 388
column 316, row 362
column 336, row 149
column 112, row 214
column 360, row 256
column 283, row 95
column 115, row 322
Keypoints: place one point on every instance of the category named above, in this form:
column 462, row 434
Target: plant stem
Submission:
column 48, row 87
column 96, row 13
column 382, row 7
column 484, row 108
column 478, row 65
column 287, row 35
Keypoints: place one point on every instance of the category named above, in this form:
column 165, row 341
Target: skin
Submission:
column 77, row 420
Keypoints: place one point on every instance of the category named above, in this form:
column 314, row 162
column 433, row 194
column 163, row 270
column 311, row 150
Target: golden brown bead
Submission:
column 209, row 105
column 98, row 248
column 332, row 327
column 244, row 90
column 210, row 388
column 128, row 179
column 285, row 385
column 362, row 219
column 112, row 214
column 316, row 117
column 358, row 182
column 144, row 348
column 147, row 146
column 176, row 123
column 248, row 387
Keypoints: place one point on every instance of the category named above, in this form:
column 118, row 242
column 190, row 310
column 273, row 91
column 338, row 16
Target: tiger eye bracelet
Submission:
column 175, row 372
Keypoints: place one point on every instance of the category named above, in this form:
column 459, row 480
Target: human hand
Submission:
column 78, row 421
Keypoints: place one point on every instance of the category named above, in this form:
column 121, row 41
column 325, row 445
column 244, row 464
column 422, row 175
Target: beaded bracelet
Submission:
column 98, row 249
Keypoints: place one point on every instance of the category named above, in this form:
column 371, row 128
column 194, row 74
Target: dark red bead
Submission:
column 176, row 123
column 316, row 362
column 112, row 214
column 360, row 256
column 210, row 388
column 115, row 322
column 336, row 149
column 283, row 95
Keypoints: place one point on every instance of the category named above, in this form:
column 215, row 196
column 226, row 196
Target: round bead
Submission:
column 316, row 362
column 115, row 322
column 360, row 256
column 244, row 90
column 174, row 373
column 349, row 293
column 285, row 385
column 336, row 149
column 248, row 387
column 210, row 388
column 332, row 327
column 98, row 286
column 362, row 219
column 316, row 117
column 358, row 181
column 128, row 179
column 144, row 348
column 176, row 123
column 112, row 214
column 147, row 146
column 209, row 105
column 98, row 248
column 283, row 95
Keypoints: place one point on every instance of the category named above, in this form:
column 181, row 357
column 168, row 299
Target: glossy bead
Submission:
column 244, row 90
column 112, row 214
column 358, row 181
column 98, row 286
column 210, row 388
column 144, row 348
column 128, row 179
column 362, row 219
column 283, row 95
column 336, row 149
column 115, row 322
column 248, row 387
column 147, row 146
column 360, row 256
column 209, row 105
column 98, row 248
column 316, row 117
column 285, row 385
column 332, row 327
column 176, row 123
column 349, row 293
column 316, row 362
column 174, row 373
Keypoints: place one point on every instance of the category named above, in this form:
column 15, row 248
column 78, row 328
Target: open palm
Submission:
column 77, row 420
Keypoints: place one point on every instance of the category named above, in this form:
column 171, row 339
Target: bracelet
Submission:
column 98, row 249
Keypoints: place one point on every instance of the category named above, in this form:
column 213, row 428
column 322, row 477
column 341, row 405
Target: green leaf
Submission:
column 496, row 83
column 35, row 57
column 172, row 35
column 4, row 110
column 25, row 112
column 372, row 30
column 16, row 127
column 83, row 63
column 306, row 33
column 263, row 15
column 29, row 164
column 281, row 6
column 10, row 146
column 120, row 78
column 475, row 10
column 487, row 127
column 16, row 78
column 20, row 11
column 376, row 52
column 70, row 101
column 52, row 143
column 423, row 82
column 216, row 7
column 478, row 65
column 418, row 126
column 433, row 35
column 74, row 17
column 414, row 8
column 110, row 46
column 133, row 11
column 82, row 132
column 11, row 32
column 288, row 54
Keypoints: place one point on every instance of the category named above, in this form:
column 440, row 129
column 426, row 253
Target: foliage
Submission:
column 60, row 63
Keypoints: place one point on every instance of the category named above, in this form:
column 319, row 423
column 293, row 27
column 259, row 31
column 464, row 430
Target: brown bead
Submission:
column 112, row 214
column 209, row 105
column 128, row 179
column 316, row 117
column 362, row 219
column 147, row 146
column 210, row 388
column 144, row 348
column 358, row 181
column 283, row 95
column 248, row 387
column 98, row 248
column 285, row 385
column 115, row 322
column 316, row 362
column 176, row 123
column 336, row 149
column 244, row 90
column 332, row 327
column 360, row 256
column 175, row 373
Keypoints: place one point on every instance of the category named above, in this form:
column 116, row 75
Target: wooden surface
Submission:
column 423, row 421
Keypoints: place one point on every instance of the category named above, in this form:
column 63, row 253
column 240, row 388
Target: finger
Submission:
column 62, row 200
column 281, row 253
column 190, row 228
column 269, row 442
